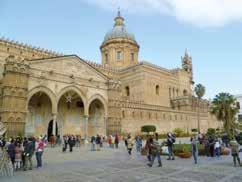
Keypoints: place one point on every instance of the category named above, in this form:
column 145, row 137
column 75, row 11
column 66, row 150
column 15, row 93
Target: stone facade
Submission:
column 43, row 92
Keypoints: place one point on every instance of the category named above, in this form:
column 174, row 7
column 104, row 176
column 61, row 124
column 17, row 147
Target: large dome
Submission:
column 119, row 30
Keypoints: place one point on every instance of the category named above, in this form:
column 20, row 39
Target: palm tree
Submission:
column 200, row 91
column 225, row 107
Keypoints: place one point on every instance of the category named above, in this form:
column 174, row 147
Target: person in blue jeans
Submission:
column 194, row 143
column 155, row 151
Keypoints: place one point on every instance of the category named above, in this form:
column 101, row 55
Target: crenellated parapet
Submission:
column 25, row 50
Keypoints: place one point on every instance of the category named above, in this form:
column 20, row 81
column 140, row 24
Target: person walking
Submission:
column 170, row 142
column 149, row 140
column 130, row 144
column 155, row 151
column 39, row 152
column 235, row 151
column 194, row 143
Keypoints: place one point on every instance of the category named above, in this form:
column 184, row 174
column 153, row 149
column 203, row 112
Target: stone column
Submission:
column 54, row 124
column 105, row 125
column 86, row 126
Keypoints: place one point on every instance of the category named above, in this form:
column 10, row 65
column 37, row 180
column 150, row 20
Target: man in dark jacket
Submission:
column 28, row 153
column 11, row 151
column 170, row 142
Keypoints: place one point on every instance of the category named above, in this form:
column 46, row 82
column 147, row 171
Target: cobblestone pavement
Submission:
column 116, row 165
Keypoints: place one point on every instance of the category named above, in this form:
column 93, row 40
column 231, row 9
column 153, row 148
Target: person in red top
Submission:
column 39, row 151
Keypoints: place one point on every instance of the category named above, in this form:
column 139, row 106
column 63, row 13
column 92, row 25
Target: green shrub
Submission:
column 178, row 132
column 148, row 128
column 194, row 130
column 211, row 131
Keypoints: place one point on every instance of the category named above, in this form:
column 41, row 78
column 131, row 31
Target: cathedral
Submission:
column 44, row 92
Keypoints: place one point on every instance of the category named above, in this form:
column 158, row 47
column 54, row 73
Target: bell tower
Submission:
column 119, row 48
column 187, row 65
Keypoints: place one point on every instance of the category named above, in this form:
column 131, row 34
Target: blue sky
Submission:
column 164, row 29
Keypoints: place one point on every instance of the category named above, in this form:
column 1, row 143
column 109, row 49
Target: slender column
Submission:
column 105, row 125
column 54, row 124
column 86, row 126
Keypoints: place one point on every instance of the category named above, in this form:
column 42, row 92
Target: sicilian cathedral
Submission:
column 44, row 92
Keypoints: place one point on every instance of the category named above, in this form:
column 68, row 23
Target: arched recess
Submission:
column 97, row 110
column 40, row 109
column 102, row 100
column 48, row 92
column 74, row 89
column 71, row 107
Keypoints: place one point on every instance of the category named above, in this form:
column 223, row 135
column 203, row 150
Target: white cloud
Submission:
column 197, row 12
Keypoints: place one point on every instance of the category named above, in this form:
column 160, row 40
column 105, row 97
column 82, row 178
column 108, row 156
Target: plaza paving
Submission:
column 116, row 165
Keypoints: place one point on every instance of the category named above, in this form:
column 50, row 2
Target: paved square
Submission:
column 115, row 165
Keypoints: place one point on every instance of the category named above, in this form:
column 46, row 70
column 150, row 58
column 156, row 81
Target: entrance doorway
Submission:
column 50, row 129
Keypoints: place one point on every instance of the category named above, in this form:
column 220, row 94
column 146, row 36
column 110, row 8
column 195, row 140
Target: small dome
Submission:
column 119, row 30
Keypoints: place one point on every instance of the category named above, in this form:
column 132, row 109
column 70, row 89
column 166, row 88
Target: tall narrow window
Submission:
column 119, row 55
column 127, row 91
column 106, row 58
column 157, row 89
column 169, row 92
column 132, row 56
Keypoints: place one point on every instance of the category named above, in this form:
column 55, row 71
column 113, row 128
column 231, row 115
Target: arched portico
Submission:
column 48, row 92
column 40, row 110
column 71, row 106
column 97, row 110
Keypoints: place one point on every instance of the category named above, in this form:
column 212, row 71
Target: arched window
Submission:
column 123, row 114
column 185, row 92
column 106, row 57
column 119, row 55
column 169, row 92
column 127, row 90
column 132, row 56
column 157, row 89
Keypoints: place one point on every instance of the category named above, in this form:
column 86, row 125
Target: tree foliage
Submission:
column 199, row 90
column 225, row 108
column 148, row 128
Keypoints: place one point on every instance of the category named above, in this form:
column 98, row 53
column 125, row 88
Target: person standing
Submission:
column 18, row 156
column 39, row 152
column 11, row 151
column 93, row 143
column 235, row 151
column 98, row 142
column 170, row 142
column 28, row 153
column 116, row 141
column 217, row 148
column 155, row 151
column 138, row 143
column 130, row 144
column 194, row 143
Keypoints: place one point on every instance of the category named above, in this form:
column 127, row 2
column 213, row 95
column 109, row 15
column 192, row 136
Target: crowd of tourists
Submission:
column 21, row 151
column 212, row 146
